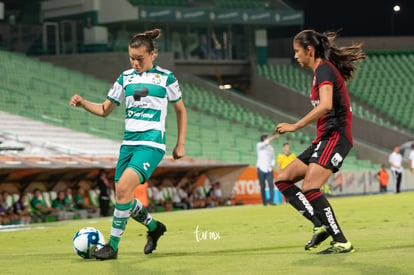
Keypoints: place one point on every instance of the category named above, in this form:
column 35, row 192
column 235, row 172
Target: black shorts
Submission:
column 330, row 152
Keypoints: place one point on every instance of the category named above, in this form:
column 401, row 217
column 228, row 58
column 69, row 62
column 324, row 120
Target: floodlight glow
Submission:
column 397, row 8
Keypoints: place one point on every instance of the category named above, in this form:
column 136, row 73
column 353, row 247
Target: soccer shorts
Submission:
column 142, row 159
column 329, row 152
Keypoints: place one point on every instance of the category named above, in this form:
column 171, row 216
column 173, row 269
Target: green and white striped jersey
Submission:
column 146, row 98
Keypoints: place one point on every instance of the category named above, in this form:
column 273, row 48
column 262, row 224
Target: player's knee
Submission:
column 282, row 176
column 122, row 193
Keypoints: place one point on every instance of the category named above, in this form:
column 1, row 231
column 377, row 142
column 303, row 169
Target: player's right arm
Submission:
column 99, row 109
column 270, row 139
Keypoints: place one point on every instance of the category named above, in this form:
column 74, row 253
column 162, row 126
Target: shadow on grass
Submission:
column 233, row 251
column 348, row 263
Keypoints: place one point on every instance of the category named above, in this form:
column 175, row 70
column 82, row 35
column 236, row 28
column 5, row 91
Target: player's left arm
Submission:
column 181, row 114
column 324, row 106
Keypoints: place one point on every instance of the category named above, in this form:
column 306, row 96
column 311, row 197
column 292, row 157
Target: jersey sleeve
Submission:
column 325, row 75
column 261, row 145
column 173, row 89
column 117, row 94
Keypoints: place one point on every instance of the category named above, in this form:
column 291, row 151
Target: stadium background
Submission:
column 238, row 86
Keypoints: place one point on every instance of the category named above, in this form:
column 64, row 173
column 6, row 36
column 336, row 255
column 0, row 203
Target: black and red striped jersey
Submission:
column 340, row 116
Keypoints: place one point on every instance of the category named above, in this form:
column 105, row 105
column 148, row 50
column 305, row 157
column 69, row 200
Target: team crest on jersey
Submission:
column 156, row 79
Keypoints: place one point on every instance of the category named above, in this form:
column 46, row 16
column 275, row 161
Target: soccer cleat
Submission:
column 319, row 235
column 337, row 248
column 152, row 238
column 105, row 253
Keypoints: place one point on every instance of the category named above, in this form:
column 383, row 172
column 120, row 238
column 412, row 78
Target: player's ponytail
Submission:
column 344, row 58
column 146, row 38
column 153, row 34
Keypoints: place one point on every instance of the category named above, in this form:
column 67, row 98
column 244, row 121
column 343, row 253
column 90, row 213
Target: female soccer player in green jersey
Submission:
column 147, row 89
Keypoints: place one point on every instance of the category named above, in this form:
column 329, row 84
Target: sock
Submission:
column 298, row 200
column 119, row 221
column 325, row 213
column 141, row 215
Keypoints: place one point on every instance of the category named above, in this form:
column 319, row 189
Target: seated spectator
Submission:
column 197, row 196
column 180, row 199
column 8, row 206
column 168, row 192
column 70, row 206
column 21, row 209
column 4, row 214
column 41, row 210
column 157, row 200
column 59, row 203
column 216, row 195
column 83, row 207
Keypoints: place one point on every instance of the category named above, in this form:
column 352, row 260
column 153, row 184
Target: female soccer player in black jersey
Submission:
column 332, row 66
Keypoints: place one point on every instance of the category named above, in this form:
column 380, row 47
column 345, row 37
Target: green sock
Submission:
column 119, row 221
column 141, row 215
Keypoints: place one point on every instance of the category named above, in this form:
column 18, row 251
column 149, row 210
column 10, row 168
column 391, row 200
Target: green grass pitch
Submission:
column 229, row 240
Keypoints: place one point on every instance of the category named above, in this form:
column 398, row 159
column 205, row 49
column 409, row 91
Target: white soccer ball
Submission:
column 87, row 240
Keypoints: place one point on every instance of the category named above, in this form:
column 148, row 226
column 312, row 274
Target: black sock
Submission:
column 298, row 200
column 325, row 214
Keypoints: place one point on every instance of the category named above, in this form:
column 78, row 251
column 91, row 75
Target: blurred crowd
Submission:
column 41, row 206
column 189, row 192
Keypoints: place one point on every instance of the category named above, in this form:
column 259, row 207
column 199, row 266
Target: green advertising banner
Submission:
column 184, row 14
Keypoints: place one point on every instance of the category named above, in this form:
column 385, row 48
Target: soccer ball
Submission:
column 87, row 240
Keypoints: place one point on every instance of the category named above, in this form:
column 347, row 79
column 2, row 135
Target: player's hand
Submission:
column 76, row 100
column 284, row 127
column 178, row 151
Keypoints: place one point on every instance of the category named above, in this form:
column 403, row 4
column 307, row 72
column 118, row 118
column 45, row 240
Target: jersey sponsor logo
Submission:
column 140, row 104
column 140, row 91
column 337, row 159
column 331, row 220
column 146, row 165
column 305, row 202
column 137, row 115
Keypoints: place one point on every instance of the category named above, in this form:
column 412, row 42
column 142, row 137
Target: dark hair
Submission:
column 21, row 196
column 263, row 137
column 146, row 38
column 344, row 58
